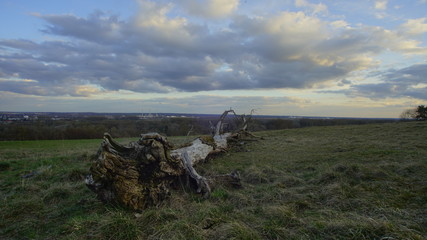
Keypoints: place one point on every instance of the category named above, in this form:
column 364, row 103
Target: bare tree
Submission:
column 408, row 114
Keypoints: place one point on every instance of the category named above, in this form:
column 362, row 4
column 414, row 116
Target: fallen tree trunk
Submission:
column 141, row 174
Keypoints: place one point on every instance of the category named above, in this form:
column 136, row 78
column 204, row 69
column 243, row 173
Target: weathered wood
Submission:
column 137, row 175
column 140, row 174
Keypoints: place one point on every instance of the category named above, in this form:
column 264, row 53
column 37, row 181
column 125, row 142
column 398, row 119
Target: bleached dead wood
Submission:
column 140, row 174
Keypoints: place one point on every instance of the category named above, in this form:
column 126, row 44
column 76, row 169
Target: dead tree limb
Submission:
column 189, row 131
column 141, row 173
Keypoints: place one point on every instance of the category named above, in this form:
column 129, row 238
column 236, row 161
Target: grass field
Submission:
column 340, row 182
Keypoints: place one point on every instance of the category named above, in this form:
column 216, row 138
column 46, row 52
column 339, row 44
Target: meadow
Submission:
column 332, row 182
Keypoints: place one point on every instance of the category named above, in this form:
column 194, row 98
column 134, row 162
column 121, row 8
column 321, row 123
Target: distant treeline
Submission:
column 93, row 128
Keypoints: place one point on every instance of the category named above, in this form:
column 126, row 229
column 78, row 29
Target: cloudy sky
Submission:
column 343, row 58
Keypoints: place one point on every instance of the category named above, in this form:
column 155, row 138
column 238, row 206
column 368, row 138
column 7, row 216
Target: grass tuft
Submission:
column 57, row 193
column 4, row 166
column 233, row 230
column 121, row 226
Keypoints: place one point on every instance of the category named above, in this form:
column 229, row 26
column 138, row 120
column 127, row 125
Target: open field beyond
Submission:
column 338, row 182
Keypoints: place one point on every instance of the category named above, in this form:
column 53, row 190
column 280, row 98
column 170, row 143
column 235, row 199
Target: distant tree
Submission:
column 418, row 113
column 408, row 114
column 421, row 113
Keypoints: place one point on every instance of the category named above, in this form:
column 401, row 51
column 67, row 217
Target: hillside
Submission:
column 337, row 182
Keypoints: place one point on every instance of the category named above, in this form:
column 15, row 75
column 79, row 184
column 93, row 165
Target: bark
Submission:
column 141, row 173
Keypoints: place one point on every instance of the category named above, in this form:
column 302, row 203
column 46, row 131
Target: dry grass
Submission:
column 341, row 182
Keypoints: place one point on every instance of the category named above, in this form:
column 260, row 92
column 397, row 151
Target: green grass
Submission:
column 340, row 182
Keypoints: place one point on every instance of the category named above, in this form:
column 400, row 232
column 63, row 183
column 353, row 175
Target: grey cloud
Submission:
column 344, row 82
column 366, row 39
column 27, row 67
column 143, row 55
column 387, row 90
column 291, row 74
column 396, row 84
column 33, row 88
column 18, row 44
column 97, row 27
column 410, row 75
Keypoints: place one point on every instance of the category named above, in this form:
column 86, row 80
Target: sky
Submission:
column 332, row 58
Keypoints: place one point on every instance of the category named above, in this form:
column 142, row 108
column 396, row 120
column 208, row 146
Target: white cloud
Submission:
column 340, row 24
column 152, row 17
column 415, row 26
column 381, row 4
column 315, row 8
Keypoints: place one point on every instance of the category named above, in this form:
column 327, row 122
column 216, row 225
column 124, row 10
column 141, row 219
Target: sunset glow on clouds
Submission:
column 324, row 58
